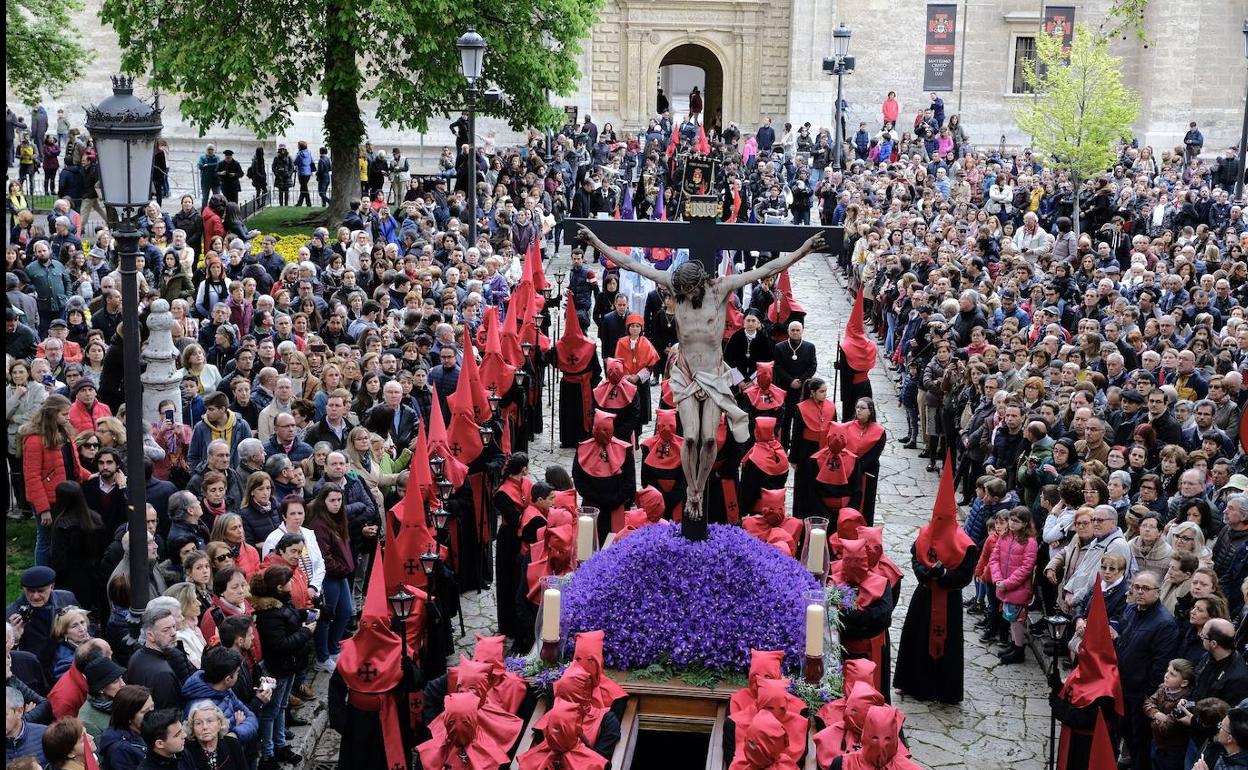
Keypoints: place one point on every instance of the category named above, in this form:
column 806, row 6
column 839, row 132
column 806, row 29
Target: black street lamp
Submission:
column 839, row 64
column 1243, row 137
column 125, row 130
column 472, row 62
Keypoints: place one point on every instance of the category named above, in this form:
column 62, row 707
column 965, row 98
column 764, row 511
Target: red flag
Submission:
column 703, row 146
column 671, row 146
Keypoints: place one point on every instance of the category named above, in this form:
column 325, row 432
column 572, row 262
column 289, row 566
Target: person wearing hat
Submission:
column 747, row 347
column 86, row 408
column 1127, row 418
column 638, row 355
column 32, row 613
column 20, row 340
column 104, row 679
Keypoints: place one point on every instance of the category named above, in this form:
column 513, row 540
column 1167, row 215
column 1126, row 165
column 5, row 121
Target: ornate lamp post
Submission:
column 401, row 603
column 125, row 130
column 1243, row 138
column 471, row 62
column 839, row 64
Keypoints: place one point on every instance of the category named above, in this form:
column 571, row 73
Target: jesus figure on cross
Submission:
column 699, row 379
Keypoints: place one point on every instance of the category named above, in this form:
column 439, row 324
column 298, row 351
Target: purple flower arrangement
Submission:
column 662, row 599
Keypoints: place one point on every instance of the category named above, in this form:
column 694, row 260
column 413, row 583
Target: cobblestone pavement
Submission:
column 1004, row 720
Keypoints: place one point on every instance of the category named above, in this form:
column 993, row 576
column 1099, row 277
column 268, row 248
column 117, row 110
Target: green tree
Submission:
column 248, row 62
column 41, row 54
column 1081, row 107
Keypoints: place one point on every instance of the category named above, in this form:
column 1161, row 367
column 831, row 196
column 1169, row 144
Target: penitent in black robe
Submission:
column 853, row 385
column 864, row 624
column 918, row 674
column 576, row 402
column 507, row 562
column 609, row 494
column 721, row 499
column 753, row 482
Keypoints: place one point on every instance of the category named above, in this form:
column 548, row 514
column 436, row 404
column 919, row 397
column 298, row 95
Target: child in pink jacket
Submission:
column 1013, row 561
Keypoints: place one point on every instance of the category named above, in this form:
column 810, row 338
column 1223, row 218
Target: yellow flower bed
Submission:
column 287, row 245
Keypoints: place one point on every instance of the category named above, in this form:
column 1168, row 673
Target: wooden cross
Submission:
column 703, row 238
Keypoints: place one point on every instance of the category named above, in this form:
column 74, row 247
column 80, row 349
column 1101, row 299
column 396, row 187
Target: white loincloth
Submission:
column 717, row 392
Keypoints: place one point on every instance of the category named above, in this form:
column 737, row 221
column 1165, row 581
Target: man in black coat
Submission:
column 1164, row 423
column 611, row 328
column 1221, row 674
column 796, row 361
column 150, row 665
column 231, row 174
column 1145, row 646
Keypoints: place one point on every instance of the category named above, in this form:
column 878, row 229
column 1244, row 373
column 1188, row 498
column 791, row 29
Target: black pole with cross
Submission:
column 704, row 238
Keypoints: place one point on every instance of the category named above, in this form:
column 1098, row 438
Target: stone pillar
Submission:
column 160, row 379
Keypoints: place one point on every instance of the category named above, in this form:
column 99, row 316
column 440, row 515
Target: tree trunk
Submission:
column 344, row 128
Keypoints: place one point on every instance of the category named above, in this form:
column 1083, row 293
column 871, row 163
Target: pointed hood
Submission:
column 470, row 397
column 1096, row 674
column 764, row 746
column 663, row 448
column 440, row 443
column 859, row 350
column 574, row 352
column 764, row 394
column 881, row 743
column 703, row 146
column 497, row 375
column 370, row 663
column 589, row 653
column 576, row 685
column 845, row 718
column 615, row 392
column 942, row 539
column 1102, row 753
column 561, row 747
column 457, row 739
column 835, row 463
column 602, row 455
column 764, row 664
column 533, row 262
column 854, row 569
column 848, row 521
column 767, row 454
column 786, row 305
column 404, row 548
column 876, row 560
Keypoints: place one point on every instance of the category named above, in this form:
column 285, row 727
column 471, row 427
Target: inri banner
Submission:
column 941, row 43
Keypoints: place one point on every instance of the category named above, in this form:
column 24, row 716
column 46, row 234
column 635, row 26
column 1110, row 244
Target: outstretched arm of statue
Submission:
column 585, row 235
column 738, row 280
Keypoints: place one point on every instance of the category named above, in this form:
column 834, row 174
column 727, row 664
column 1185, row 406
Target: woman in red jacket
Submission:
column 48, row 458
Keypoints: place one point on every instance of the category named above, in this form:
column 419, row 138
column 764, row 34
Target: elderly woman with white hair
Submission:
column 1187, row 537
column 209, row 743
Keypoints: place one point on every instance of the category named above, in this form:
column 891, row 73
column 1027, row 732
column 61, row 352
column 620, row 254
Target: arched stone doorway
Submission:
column 688, row 65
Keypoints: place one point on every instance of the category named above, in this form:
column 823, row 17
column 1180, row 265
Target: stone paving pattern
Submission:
column 1004, row 720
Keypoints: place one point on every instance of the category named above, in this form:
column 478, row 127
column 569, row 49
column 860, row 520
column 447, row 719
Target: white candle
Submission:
column 584, row 537
column 814, row 553
column 550, row 615
column 814, row 630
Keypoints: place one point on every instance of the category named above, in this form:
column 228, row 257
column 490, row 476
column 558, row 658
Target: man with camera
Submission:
column 32, row 613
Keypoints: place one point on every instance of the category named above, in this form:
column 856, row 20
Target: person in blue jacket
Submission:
column 214, row 682
column 305, row 167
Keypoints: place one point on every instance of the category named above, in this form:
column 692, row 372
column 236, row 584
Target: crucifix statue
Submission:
column 699, row 378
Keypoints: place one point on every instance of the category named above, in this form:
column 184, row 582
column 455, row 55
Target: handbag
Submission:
column 1012, row 612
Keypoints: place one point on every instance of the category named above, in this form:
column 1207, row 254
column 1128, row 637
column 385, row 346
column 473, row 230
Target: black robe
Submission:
column 628, row 419
column 863, row 624
column 788, row 369
column 851, row 391
column 918, row 674
column 608, row 493
column 669, row 481
column 804, row 469
column 744, row 354
column 721, row 492
column 507, row 562
column 574, row 400
column 753, row 482
column 866, row 480
column 363, row 746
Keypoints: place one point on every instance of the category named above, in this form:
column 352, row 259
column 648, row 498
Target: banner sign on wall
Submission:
column 1060, row 20
column 941, row 44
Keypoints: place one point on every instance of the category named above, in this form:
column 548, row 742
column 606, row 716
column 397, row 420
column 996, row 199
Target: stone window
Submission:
column 1024, row 50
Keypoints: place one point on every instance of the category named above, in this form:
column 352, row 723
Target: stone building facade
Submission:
column 764, row 58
